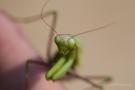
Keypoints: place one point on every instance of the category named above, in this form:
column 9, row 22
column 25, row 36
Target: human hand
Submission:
column 15, row 50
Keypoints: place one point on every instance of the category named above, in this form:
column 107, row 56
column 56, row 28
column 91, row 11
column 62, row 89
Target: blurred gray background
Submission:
column 110, row 51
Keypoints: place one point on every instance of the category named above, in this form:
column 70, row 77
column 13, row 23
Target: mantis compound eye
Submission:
column 57, row 39
column 71, row 43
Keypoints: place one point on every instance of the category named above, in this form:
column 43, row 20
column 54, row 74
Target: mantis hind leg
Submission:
column 54, row 13
column 30, row 19
column 88, row 79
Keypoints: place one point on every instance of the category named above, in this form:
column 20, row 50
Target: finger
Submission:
column 15, row 50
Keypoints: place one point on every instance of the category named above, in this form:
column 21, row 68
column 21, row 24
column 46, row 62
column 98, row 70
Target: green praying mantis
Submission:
column 69, row 52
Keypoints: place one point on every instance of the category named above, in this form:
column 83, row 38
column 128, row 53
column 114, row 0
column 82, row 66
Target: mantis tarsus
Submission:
column 70, row 49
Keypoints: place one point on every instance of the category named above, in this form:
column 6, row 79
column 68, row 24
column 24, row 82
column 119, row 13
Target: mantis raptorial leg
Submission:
column 62, row 67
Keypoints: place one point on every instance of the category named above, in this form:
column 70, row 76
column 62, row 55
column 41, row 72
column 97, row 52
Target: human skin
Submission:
column 15, row 50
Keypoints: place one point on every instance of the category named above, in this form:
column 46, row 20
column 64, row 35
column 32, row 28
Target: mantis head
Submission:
column 64, row 43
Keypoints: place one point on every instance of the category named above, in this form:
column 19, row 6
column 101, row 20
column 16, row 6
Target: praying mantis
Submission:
column 68, row 57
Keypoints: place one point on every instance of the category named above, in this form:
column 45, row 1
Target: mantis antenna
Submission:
column 94, row 29
column 76, row 34
column 44, row 20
